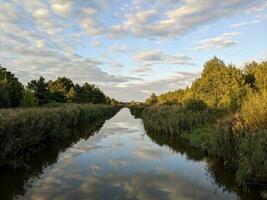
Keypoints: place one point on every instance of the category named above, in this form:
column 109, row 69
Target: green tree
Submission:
column 255, row 74
column 71, row 95
column 219, row 85
column 40, row 90
column 151, row 100
column 11, row 89
column 59, row 89
column 28, row 100
column 5, row 100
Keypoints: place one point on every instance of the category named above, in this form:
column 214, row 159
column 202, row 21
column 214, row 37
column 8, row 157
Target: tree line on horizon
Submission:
column 220, row 86
column 39, row 92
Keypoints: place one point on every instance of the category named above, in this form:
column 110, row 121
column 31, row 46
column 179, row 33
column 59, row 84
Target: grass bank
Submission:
column 21, row 129
column 227, row 136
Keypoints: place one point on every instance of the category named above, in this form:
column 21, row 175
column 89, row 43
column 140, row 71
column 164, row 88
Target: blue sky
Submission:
column 129, row 48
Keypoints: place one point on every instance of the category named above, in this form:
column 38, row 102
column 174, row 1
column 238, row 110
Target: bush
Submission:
column 28, row 99
column 195, row 105
column 254, row 111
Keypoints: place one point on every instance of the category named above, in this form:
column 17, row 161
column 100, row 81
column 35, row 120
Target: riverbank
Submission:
column 24, row 128
column 213, row 132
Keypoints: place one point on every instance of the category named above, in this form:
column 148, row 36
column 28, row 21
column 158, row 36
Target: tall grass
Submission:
column 24, row 127
column 174, row 120
column 240, row 139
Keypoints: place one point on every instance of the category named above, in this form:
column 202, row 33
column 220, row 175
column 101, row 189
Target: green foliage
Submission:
column 221, row 86
column 71, row 95
column 59, row 89
column 151, row 100
column 28, row 99
column 174, row 120
column 254, row 111
column 195, row 105
column 22, row 128
column 40, row 89
column 255, row 74
column 10, row 89
column 5, row 100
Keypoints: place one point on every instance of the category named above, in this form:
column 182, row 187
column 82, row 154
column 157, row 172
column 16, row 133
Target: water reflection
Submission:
column 120, row 162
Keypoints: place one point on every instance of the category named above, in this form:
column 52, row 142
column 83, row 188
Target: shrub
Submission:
column 254, row 111
column 195, row 104
column 28, row 99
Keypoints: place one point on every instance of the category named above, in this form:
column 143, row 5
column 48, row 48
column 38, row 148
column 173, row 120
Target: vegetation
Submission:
column 10, row 89
column 224, row 113
column 39, row 92
column 21, row 128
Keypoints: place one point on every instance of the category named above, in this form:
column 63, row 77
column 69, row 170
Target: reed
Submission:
column 23, row 128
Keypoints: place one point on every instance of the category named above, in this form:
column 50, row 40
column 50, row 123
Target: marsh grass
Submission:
column 25, row 127
column 235, row 138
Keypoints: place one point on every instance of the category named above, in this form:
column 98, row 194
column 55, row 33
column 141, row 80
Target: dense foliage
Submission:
column 23, row 128
column 224, row 113
column 40, row 92
column 220, row 85
column 10, row 89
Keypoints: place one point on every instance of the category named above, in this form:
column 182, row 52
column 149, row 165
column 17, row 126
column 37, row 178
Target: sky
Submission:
column 129, row 48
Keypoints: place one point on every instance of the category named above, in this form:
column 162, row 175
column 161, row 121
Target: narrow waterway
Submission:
column 121, row 161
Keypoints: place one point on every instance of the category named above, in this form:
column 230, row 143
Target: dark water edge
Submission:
column 131, row 140
column 221, row 176
column 14, row 183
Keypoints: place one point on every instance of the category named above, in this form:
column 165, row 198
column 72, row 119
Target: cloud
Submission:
column 61, row 9
column 223, row 41
column 174, row 82
column 260, row 6
column 96, row 43
column 119, row 48
column 158, row 57
column 257, row 20
column 178, row 19
column 143, row 69
column 41, row 13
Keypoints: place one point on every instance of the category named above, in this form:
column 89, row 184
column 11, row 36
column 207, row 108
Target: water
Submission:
column 121, row 161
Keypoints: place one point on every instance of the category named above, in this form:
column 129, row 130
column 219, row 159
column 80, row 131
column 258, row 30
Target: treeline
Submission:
column 224, row 113
column 220, row 86
column 40, row 92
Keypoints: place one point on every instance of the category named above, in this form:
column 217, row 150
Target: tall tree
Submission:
column 40, row 90
column 11, row 89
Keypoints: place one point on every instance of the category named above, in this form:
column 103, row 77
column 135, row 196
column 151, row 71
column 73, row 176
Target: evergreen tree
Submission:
column 40, row 90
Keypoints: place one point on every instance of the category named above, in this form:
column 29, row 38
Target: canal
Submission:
column 121, row 161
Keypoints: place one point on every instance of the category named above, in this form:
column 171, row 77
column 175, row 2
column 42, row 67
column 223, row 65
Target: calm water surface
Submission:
column 121, row 161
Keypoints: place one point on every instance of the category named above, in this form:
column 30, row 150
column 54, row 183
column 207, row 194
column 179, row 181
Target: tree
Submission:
column 255, row 75
column 28, row 100
column 40, row 90
column 151, row 100
column 5, row 100
column 71, row 95
column 11, row 89
column 59, row 89
column 219, row 85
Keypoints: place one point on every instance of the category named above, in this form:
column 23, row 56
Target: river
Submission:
column 121, row 161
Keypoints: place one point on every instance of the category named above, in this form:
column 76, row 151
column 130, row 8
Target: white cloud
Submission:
column 158, row 57
column 96, row 43
column 61, row 9
column 178, row 20
column 119, row 48
column 178, row 80
column 41, row 13
column 223, row 41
